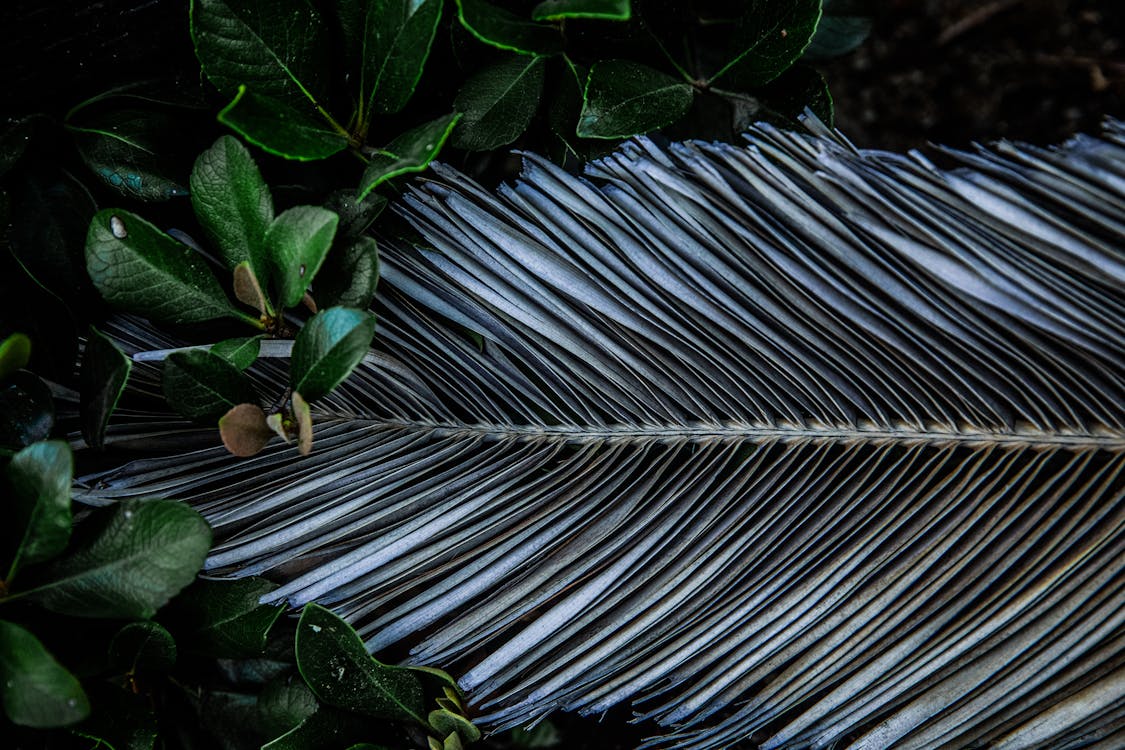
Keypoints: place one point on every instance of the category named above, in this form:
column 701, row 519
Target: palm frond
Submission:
column 789, row 442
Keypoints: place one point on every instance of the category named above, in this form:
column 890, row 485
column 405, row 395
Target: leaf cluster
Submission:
column 309, row 81
column 272, row 261
column 125, row 576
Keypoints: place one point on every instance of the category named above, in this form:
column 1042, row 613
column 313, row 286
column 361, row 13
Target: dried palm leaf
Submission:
column 788, row 442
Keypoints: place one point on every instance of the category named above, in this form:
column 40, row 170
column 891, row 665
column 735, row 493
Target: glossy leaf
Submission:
column 349, row 275
column 278, row 48
column 105, row 370
column 502, row 28
column 232, row 203
column 245, row 430
column 27, row 411
column 297, row 242
column 843, row 27
column 356, row 215
column 498, row 102
column 142, row 646
column 446, row 722
column 388, row 42
column 15, row 351
column 607, row 10
column 283, row 704
column 624, row 98
column 239, row 352
column 138, row 268
column 335, row 664
column 124, row 147
column 39, row 478
column 328, row 348
column 281, row 128
column 127, row 562
column 203, row 386
column 35, row 689
column 224, row 618
column 410, row 152
column 769, row 37
column 326, row 729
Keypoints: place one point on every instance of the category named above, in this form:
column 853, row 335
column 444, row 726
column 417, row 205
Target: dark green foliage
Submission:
column 380, row 89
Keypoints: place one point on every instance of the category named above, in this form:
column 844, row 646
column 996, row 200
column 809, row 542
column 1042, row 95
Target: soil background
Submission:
column 956, row 71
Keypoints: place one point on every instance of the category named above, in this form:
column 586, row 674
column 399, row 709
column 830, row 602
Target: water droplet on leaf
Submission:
column 117, row 226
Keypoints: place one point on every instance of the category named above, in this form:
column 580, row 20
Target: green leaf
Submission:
column 278, row 48
column 203, row 386
column 296, row 244
column 27, row 411
column 39, row 477
column 120, row 719
column 128, row 561
column 232, row 203
column 410, row 152
column 328, row 348
column 336, row 665
column 142, row 646
column 327, row 729
column 36, row 690
column 15, row 351
column 607, row 10
column 140, row 269
column 223, row 618
column 843, row 27
column 356, row 215
column 388, row 42
column 282, row 129
column 105, row 370
column 446, row 722
column 51, row 214
column 283, row 704
column 498, row 103
column 124, row 148
column 624, row 98
column 503, row 29
column 350, row 274
column 769, row 37
column 239, row 352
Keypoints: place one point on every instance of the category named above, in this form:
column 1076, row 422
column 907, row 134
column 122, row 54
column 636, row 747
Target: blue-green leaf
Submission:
column 328, row 348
